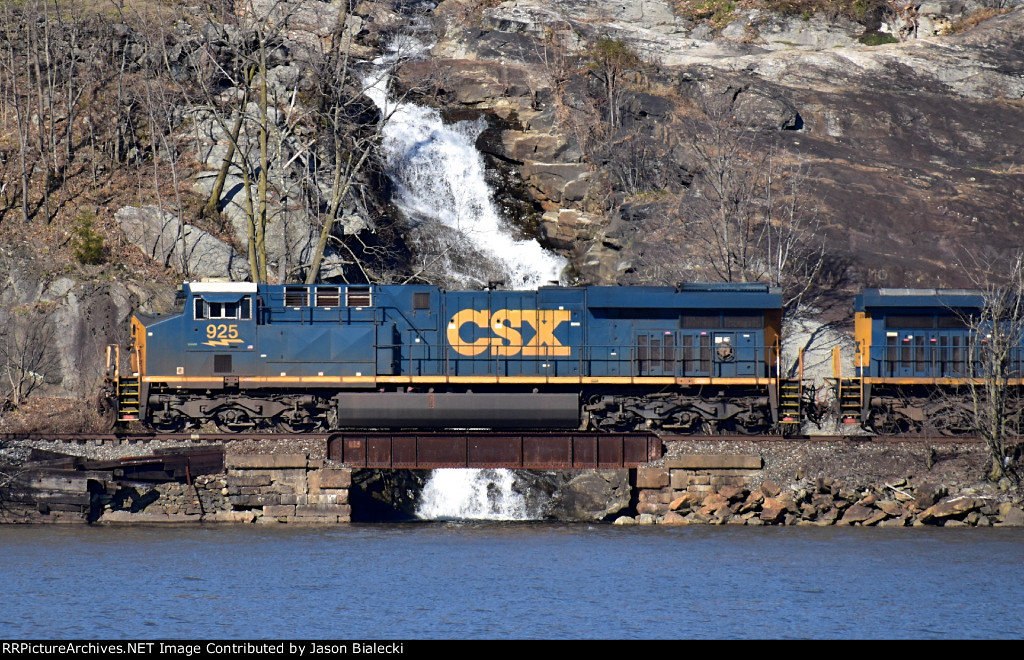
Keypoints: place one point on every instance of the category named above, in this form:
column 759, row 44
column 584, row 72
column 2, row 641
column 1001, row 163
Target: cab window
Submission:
column 238, row 309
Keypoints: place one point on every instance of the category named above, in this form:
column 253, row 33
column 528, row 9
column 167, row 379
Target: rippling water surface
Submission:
column 492, row 580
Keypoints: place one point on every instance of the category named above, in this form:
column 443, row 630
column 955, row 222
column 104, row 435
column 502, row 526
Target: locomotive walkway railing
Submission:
column 593, row 361
column 919, row 359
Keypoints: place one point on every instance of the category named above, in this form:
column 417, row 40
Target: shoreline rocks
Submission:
column 824, row 502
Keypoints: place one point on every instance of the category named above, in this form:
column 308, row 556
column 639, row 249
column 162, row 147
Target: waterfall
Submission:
column 462, row 241
column 471, row 494
column 441, row 188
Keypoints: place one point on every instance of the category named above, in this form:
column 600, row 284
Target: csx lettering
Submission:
column 505, row 326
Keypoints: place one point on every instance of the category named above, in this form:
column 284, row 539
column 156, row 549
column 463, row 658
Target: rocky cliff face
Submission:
column 912, row 150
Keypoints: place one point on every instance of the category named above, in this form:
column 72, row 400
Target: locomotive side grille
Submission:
column 328, row 296
column 296, row 296
column 690, row 362
column 357, row 296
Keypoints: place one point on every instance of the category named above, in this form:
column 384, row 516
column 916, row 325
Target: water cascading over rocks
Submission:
column 442, row 190
column 463, row 241
column 471, row 494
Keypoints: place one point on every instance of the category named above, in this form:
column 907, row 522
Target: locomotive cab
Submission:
column 219, row 328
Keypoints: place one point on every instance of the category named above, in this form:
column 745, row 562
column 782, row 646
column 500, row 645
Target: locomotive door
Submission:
column 953, row 352
column 914, row 354
column 695, row 350
column 733, row 354
column 389, row 344
column 656, row 353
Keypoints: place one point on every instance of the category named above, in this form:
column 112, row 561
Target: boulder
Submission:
column 772, row 510
column 733, row 493
column 685, row 501
column 1011, row 516
column 890, row 507
column 647, row 519
column 856, row 513
column 590, row 495
column 673, row 518
column 190, row 251
column 956, row 506
column 927, row 495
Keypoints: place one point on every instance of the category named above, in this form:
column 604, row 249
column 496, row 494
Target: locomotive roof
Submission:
column 708, row 296
column 920, row 298
column 721, row 295
column 222, row 287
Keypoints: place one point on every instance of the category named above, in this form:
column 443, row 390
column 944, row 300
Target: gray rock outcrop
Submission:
column 910, row 147
column 190, row 251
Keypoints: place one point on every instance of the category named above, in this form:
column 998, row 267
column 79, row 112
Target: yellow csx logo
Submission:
column 505, row 326
column 222, row 334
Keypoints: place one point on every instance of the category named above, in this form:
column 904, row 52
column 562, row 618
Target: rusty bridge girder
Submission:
column 540, row 451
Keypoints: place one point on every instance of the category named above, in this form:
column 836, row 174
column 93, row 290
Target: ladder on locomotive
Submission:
column 849, row 392
column 127, row 390
column 791, row 396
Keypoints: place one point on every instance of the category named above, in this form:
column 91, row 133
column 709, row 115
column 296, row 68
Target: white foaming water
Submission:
column 440, row 179
column 472, row 494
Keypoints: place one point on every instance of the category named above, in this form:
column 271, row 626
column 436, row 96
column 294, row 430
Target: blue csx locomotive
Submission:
column 301, row 357
column 697, row 357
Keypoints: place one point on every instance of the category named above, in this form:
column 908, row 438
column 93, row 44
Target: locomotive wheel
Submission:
column 953, row 422
column 233, row 420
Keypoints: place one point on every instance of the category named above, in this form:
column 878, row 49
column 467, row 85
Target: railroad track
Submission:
column 141, row 438
column 401, row 450
column 186, row 438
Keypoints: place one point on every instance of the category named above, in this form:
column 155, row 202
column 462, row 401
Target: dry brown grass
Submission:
column 968, row 22
column 48, row 415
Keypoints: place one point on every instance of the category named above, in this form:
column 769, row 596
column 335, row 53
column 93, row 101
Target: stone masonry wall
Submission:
column 257, row 488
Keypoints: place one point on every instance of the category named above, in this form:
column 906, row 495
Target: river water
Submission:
column 509, row 580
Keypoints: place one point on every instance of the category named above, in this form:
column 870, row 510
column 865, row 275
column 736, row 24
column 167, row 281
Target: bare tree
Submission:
column 26, row 352
column 238, row 57
column 996, row 402
column 745, row 211
column 15, row 68
column 351, row 145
